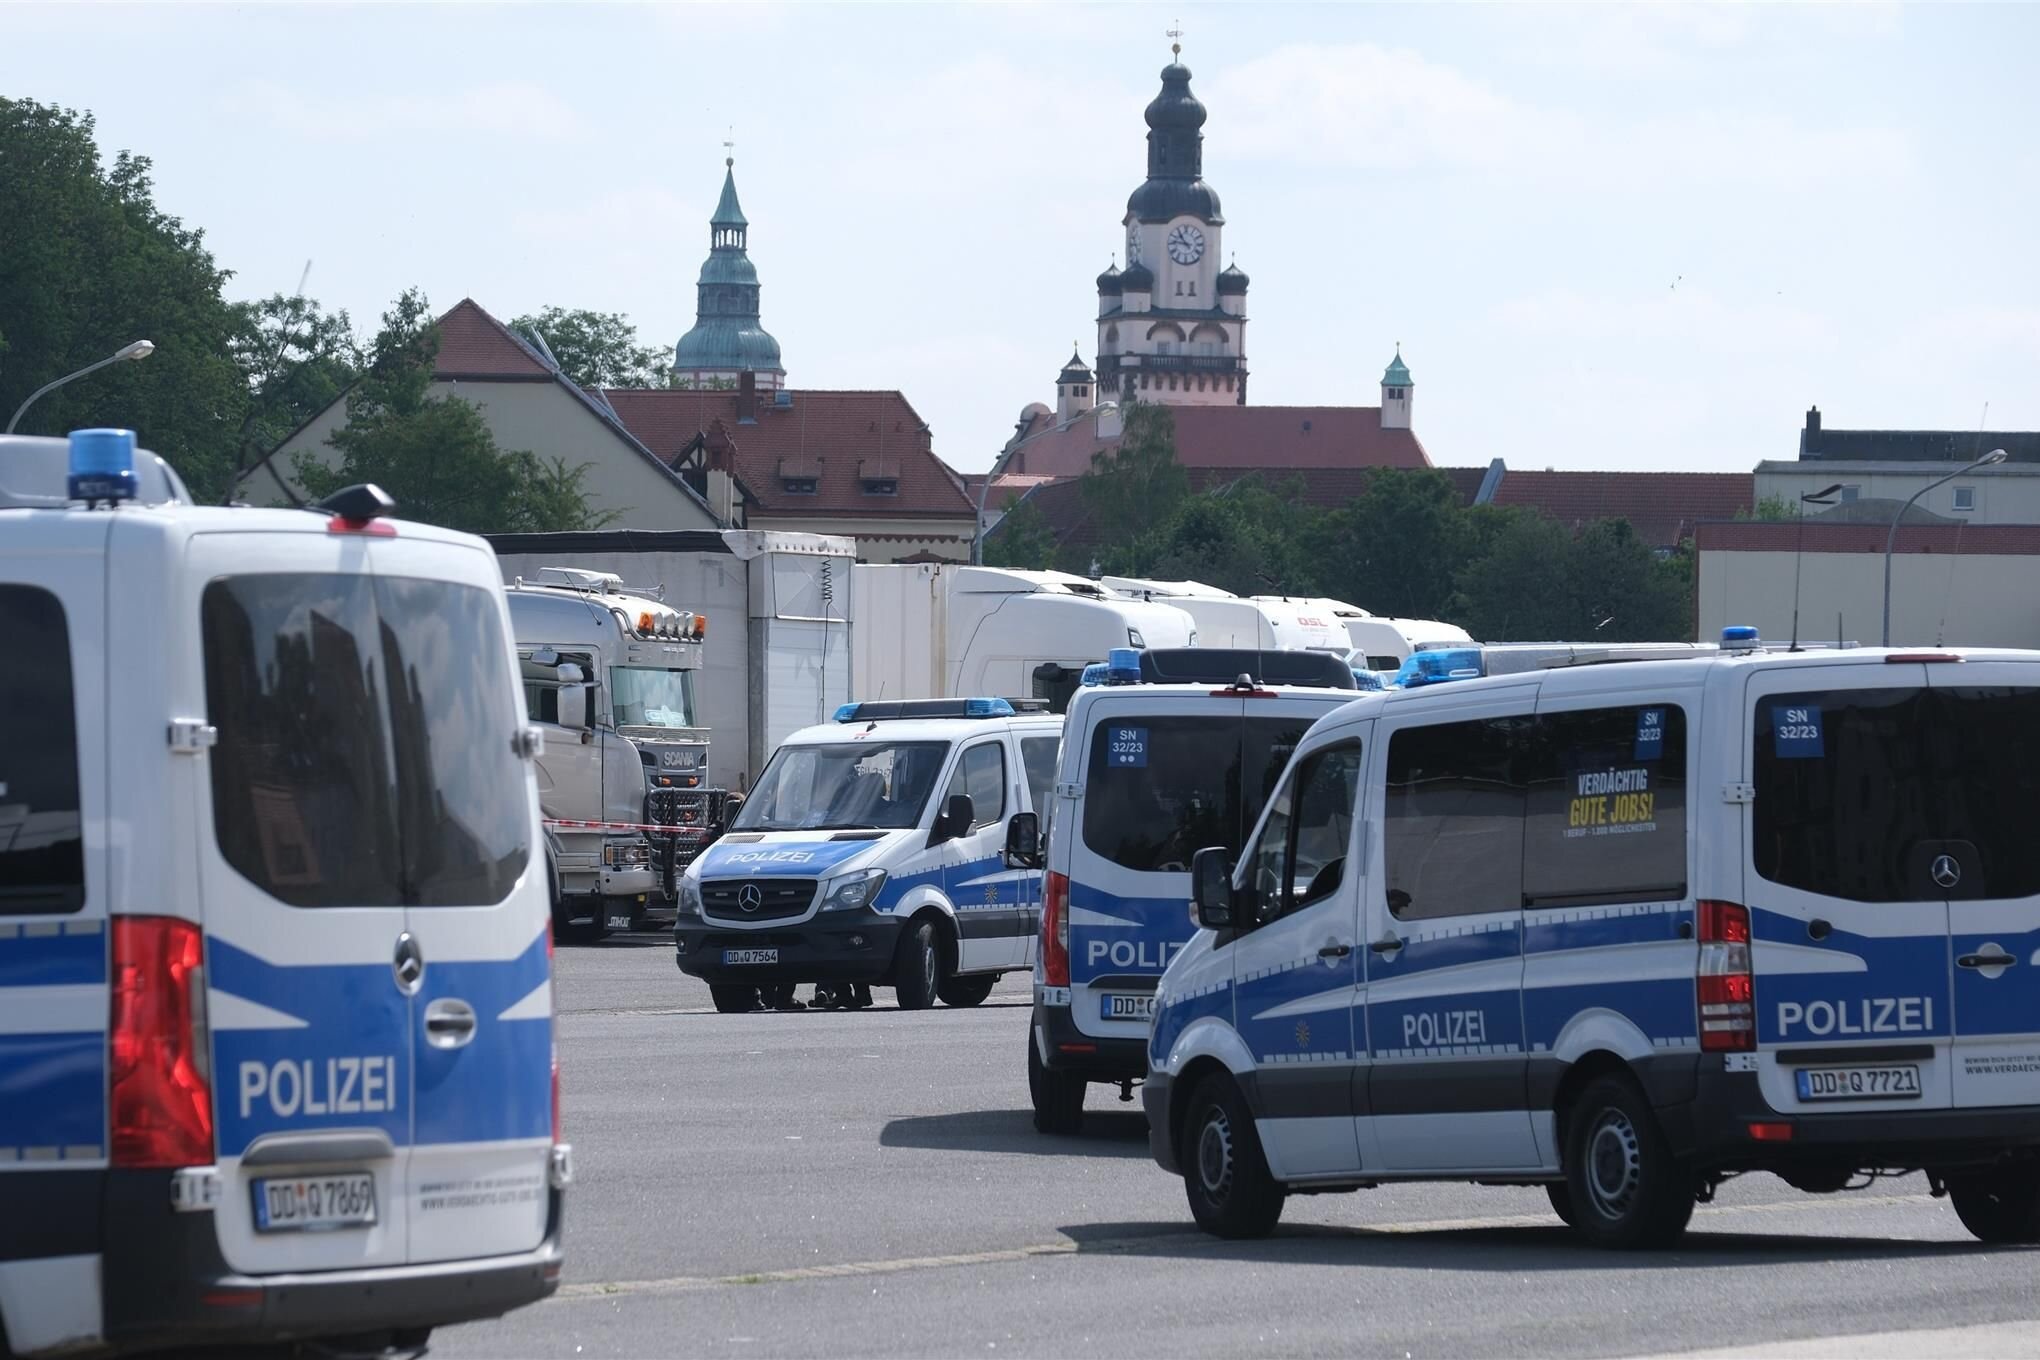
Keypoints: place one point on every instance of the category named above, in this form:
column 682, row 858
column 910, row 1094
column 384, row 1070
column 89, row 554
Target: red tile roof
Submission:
column 475, row 346
column 1663, row 507
column 1817, row 536
column 1268, row 438
column 821, row 434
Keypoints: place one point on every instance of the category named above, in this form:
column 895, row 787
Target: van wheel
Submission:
column 1561, row 1201
column 1626, row 1188
column 967, row 991
column 731, row 999
column 917, row 971
column 1058, row 1096
column 2000, row 1206
column 1224, row 1171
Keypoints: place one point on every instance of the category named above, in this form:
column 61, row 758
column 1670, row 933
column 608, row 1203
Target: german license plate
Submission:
column 1859, row 1083
column 736, row 956
column 1120, row 1006
column 312, row 1203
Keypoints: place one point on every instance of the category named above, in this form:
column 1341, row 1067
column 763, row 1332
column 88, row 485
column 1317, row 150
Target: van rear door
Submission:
column 1984, row 749
column 1849, row 932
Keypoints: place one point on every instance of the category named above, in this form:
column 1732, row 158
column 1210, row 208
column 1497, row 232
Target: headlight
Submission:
column 690, row 896
column 852, row 890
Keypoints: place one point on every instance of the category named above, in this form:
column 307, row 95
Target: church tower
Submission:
column 1075, row 389
column 727, row 340
column 1396, row 390
column 1172, row 324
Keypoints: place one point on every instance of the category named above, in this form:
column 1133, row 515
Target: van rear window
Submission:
column 1159, row 789
column 365, row 750
column 1860, row 792
column 42, row 845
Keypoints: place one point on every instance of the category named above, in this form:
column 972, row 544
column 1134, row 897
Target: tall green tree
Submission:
column 1024, row 540
column 435, row 454
column 597, row 349
column 1393, row 549
column 1243, row 537
column 296, row 359
column 88, row 262
column 1135, row 486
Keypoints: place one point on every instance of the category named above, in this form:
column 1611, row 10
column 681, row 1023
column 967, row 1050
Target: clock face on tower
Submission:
column 1133, row 244
column 1186, row 244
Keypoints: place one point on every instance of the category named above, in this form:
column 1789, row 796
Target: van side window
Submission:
column 42, row 842
column 1607, row 815
column 1157, row 789
column 1301, row 857
column 981, row 773
column 1453, row 819
column 1038, row 754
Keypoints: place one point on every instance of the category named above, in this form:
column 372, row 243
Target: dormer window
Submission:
column 800, row 486
column 881, row 486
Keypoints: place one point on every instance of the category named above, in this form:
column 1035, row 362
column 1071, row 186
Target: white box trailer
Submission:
column 934, row 630
column 1254, row 622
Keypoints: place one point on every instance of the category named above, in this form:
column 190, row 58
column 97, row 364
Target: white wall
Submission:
column 2006, row 494
column 1953, row 599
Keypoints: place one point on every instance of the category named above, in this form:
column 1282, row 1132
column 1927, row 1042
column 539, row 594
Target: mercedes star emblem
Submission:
column 1947, row 872
column 409, row 964
column 749, row 898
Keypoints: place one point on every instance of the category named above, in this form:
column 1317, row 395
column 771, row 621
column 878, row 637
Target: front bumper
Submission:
column 836, row 946
column 1714, row 1132
column 1065, row 1048
column 166, row 1283
column 636, row 880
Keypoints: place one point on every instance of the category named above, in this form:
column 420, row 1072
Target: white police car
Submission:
column 875, row 849
column 276, row 1042
column 1624, row 931
column 1167, row 751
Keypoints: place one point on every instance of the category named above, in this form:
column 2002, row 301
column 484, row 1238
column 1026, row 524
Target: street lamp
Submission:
column 1824, row 496
column 1991, row 459
column 140, row 349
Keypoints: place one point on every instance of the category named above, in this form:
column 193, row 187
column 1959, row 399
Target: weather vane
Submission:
column 730, row 147
column 1175, row 36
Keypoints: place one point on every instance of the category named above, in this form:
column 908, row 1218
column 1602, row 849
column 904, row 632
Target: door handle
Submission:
column 1386, row 946
column 1335, row 951
column 449, row 1023
column 1986, row 961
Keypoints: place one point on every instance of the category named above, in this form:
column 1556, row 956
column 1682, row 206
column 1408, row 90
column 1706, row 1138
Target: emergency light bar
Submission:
column 1225, row 665
column 102, row 466
column 925, row 708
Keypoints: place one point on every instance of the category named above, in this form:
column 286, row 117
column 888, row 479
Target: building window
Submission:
column 1965, row 498
column 1193, row 288
column 1850, row 493
column 800, row 486
column 881, row 486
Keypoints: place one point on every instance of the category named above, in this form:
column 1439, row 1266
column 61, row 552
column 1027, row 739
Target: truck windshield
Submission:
column 843, row 787
column 644, row 697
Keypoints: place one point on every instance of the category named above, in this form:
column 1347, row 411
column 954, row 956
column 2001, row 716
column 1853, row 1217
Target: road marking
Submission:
column 675, row 1284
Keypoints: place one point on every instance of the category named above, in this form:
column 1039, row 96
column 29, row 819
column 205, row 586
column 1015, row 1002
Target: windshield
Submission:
column 843, row 787
column 644, row 697
column 1162, row 788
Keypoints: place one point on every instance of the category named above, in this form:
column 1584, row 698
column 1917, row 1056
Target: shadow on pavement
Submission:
column 1107, row 1133
column 1527, row 1248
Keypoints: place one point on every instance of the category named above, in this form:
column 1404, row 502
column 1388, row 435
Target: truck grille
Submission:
column 777, row 898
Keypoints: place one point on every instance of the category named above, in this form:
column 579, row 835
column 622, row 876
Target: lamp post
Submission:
column 1824, row 496
column 1991, row 459
column 139, row 350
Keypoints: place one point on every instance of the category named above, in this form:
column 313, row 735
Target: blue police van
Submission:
column 276, row 1036
column 1625, row 931
column 1165, row 750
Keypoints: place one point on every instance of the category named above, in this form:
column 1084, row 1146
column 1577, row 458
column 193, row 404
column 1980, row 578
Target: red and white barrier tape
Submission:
column 563, row 824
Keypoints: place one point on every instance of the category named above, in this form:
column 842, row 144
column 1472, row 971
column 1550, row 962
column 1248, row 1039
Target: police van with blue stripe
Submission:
column 877, row 849
column 276, row 1037
column 1167, row 750
column 1625, row 931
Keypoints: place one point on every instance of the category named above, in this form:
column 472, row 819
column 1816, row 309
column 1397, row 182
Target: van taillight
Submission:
column 162, row 1090
column 1055, row 930
column 1728, row 1002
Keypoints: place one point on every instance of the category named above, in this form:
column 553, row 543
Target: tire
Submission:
column 1225, row 1174
column 731, row 999
column 1561, row 1201
column 1626, row 1188
column 1058, row 1096
column 917, row 969
column 966, row 991
column 2000, row 1206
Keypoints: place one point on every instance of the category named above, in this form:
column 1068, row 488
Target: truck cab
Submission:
column 611, row 674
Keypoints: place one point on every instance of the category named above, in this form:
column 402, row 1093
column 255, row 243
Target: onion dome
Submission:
column 1232, row 279
column 1136, row 278
column 1109, row 281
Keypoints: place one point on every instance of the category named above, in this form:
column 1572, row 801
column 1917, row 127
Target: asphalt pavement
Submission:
column 869, row 1183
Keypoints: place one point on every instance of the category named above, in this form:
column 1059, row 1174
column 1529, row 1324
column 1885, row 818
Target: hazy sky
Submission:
column 1613, row 237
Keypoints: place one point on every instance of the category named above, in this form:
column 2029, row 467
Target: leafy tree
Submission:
column 1623, row 591
column 597, row 349
column 1518, row 585
column 89, row 263
column 1024, row 539
column 1136, row 485
column 1771, row 508
column 297, row 359
column 436, row 454
column 1243, row 537
column 1393, row 549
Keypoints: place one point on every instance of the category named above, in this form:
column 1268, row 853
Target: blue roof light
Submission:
column 1095, row 673
column 1366, row 679
column 102, row 466
column 847, row 713
column 1440, row 665
column 1739, row 635
column 1122, row 666
column 987, row 708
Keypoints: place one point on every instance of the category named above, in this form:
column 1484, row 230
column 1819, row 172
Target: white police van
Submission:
column 1167, row 750
column 276, row 1041
column 876, row 849
column 1624, row 931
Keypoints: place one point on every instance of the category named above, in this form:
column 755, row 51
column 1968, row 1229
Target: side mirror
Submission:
column 1023, row 841
column 1211, row 888
column 954, row 820
column 574, row 707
